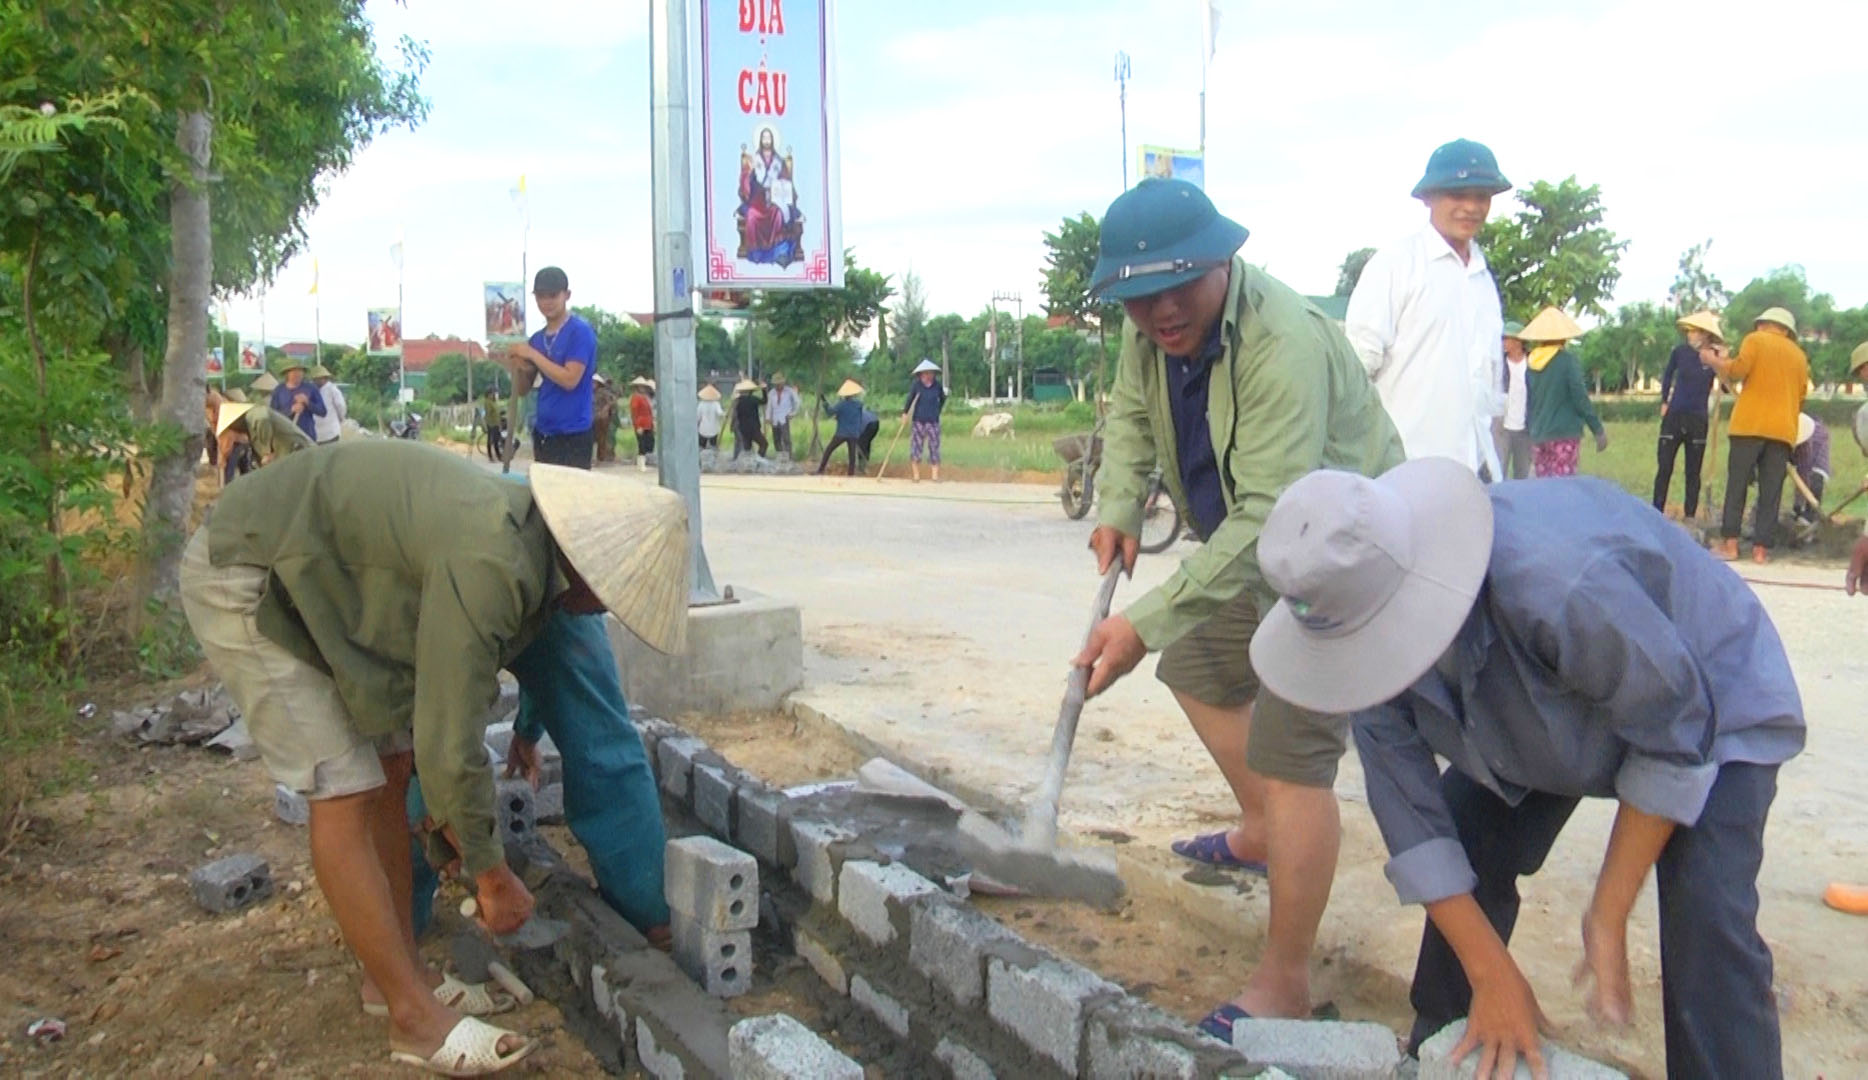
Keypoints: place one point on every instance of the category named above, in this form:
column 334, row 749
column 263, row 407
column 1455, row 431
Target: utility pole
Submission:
column 1018, row 336
column 678, row 453
column 1122, row 103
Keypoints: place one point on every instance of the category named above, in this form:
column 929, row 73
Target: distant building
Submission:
column 419, row 354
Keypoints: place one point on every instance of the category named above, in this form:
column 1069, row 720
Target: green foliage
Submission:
column 1695, row 288
column 370, row 376
column 1554, row 252
column 1069, row 263
column 808, row 331
column 446, row 382
column 1351, row 270
column 1633, row 344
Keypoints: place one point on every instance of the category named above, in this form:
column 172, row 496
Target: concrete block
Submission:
column 662, row 1064
column 1127, row 1038
column 1320, row 1049
column 721, row 961
column 517, row 806
column 893, row 1014
column 231, row 883
column 873, row 897
column 746, row 656
column 962, row 1062
column 762, row 824
column 816, row 843
column 1436, row 1061
column 948, row 943
column 675, row 756
column 821, row 959
column 289, row 806
column 711, row 884
column 1045, row 1004
column 780, row 1048
column 714, row 787
column 549, row 804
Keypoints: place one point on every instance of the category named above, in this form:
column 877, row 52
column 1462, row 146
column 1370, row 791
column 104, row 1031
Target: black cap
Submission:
column 550, row 281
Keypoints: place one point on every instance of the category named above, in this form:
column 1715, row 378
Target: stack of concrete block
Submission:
column 1324, row 1049
column 517, row 808
column 713, row 900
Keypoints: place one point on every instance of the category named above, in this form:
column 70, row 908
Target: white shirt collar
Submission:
column 1437, row 248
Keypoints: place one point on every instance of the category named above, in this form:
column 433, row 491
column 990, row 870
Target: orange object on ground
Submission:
column 1852, row 899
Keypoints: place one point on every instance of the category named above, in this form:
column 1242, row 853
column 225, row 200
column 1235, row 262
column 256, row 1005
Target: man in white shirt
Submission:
column 331, row 425
column 1514, row 435
column 1425, row 317
column 781, row 404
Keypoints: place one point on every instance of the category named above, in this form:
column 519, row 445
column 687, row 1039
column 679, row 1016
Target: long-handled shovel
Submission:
column 898, row 436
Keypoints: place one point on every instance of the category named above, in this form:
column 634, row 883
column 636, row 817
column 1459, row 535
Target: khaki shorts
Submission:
column 292, row 710
column 1213, row 665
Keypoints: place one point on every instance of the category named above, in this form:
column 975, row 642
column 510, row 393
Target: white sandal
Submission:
column 471, row 1049
column 468, row 999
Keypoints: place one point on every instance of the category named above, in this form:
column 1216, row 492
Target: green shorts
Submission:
column 1213, row 665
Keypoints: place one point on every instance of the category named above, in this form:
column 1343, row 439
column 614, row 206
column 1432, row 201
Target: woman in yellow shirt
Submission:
column 1776, row 375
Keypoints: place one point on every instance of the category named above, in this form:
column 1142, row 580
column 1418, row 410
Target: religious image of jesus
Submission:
column 768, row 206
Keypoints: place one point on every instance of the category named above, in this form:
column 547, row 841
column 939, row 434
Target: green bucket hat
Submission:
column 1513, row 328
column 319, row 371
column 1158, row 235
column 1462, row 165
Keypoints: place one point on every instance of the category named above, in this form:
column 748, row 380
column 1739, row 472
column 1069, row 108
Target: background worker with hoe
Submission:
column 359, row 605
column 1239, row 387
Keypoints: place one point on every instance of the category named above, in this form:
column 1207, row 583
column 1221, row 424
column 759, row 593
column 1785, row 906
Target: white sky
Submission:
column 970, row 127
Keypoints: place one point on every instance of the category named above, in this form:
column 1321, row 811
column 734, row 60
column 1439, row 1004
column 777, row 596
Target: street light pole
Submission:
column 1122, row 102
column 1018, row 337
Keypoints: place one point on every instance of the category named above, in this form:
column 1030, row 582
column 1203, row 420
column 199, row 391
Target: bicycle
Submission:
column 1082, row 454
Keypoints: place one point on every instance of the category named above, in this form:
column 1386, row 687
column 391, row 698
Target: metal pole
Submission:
column 1122, row 102
column 678, row 452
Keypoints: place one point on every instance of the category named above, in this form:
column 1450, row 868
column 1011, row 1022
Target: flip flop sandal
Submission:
column 1218, row 1023
column 471, row 1049
column 468, row 999
column 1850, row 899
column 1212, row 850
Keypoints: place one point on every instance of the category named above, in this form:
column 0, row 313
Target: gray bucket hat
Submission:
column 1375, row 578
column 1159, row 235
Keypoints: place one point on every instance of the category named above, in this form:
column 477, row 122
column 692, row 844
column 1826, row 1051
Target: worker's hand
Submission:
column 1602, row 442
column 298, row 405
column 1107, row 540
column 504, row 901
column 1663, row 410
column 1503, row 1025
column 1858, row 565
column 1603, row 970
column 1113, row 651
column 522, row 760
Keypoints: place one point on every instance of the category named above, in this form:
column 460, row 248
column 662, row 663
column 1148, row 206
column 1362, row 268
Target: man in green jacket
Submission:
column 359, row 605
column 1237, row 386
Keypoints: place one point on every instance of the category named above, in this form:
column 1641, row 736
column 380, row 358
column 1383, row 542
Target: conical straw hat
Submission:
column 850, row 388
column 745, row 386
column 926, row 365
column 1806, row 427
column 266, row 383
column 1707, row 321
column 629, row 541
column 1551, row 324
column 640, row 381
column 710, row 392
column 230, row 411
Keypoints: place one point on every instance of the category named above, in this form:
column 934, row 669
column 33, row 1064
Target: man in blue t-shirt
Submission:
column 564, row 353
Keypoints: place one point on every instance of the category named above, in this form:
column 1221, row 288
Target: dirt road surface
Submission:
column 939, row 620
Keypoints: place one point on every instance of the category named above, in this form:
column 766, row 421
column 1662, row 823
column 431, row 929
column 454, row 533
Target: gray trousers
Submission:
column 1514, row 452
column 1716, row 997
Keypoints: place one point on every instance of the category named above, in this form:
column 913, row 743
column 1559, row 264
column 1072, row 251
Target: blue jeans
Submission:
column 1716, row 996
column 569, row 688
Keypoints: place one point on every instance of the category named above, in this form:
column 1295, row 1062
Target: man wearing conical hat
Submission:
column 848, row 412
column 359, row 606
column 298, row 400
column 748, row 409
column 1425, row 316
column 252, row 435
column 1685, row 393
column 330, row 426
column 1237, row 387
column 780, row 406
column 1774, row 375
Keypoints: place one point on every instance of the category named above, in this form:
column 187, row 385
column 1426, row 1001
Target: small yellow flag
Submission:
column 313, row 291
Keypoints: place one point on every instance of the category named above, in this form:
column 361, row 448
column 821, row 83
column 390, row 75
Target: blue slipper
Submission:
column 1212, row 850
column 1218, row 1023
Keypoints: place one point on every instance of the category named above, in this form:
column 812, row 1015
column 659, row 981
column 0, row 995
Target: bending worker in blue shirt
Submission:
column 1551, row 639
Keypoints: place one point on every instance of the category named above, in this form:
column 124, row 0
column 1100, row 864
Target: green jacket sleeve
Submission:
column 471, row 606
column 1579, row 393
column 1128, row 443
column 1281, row 391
